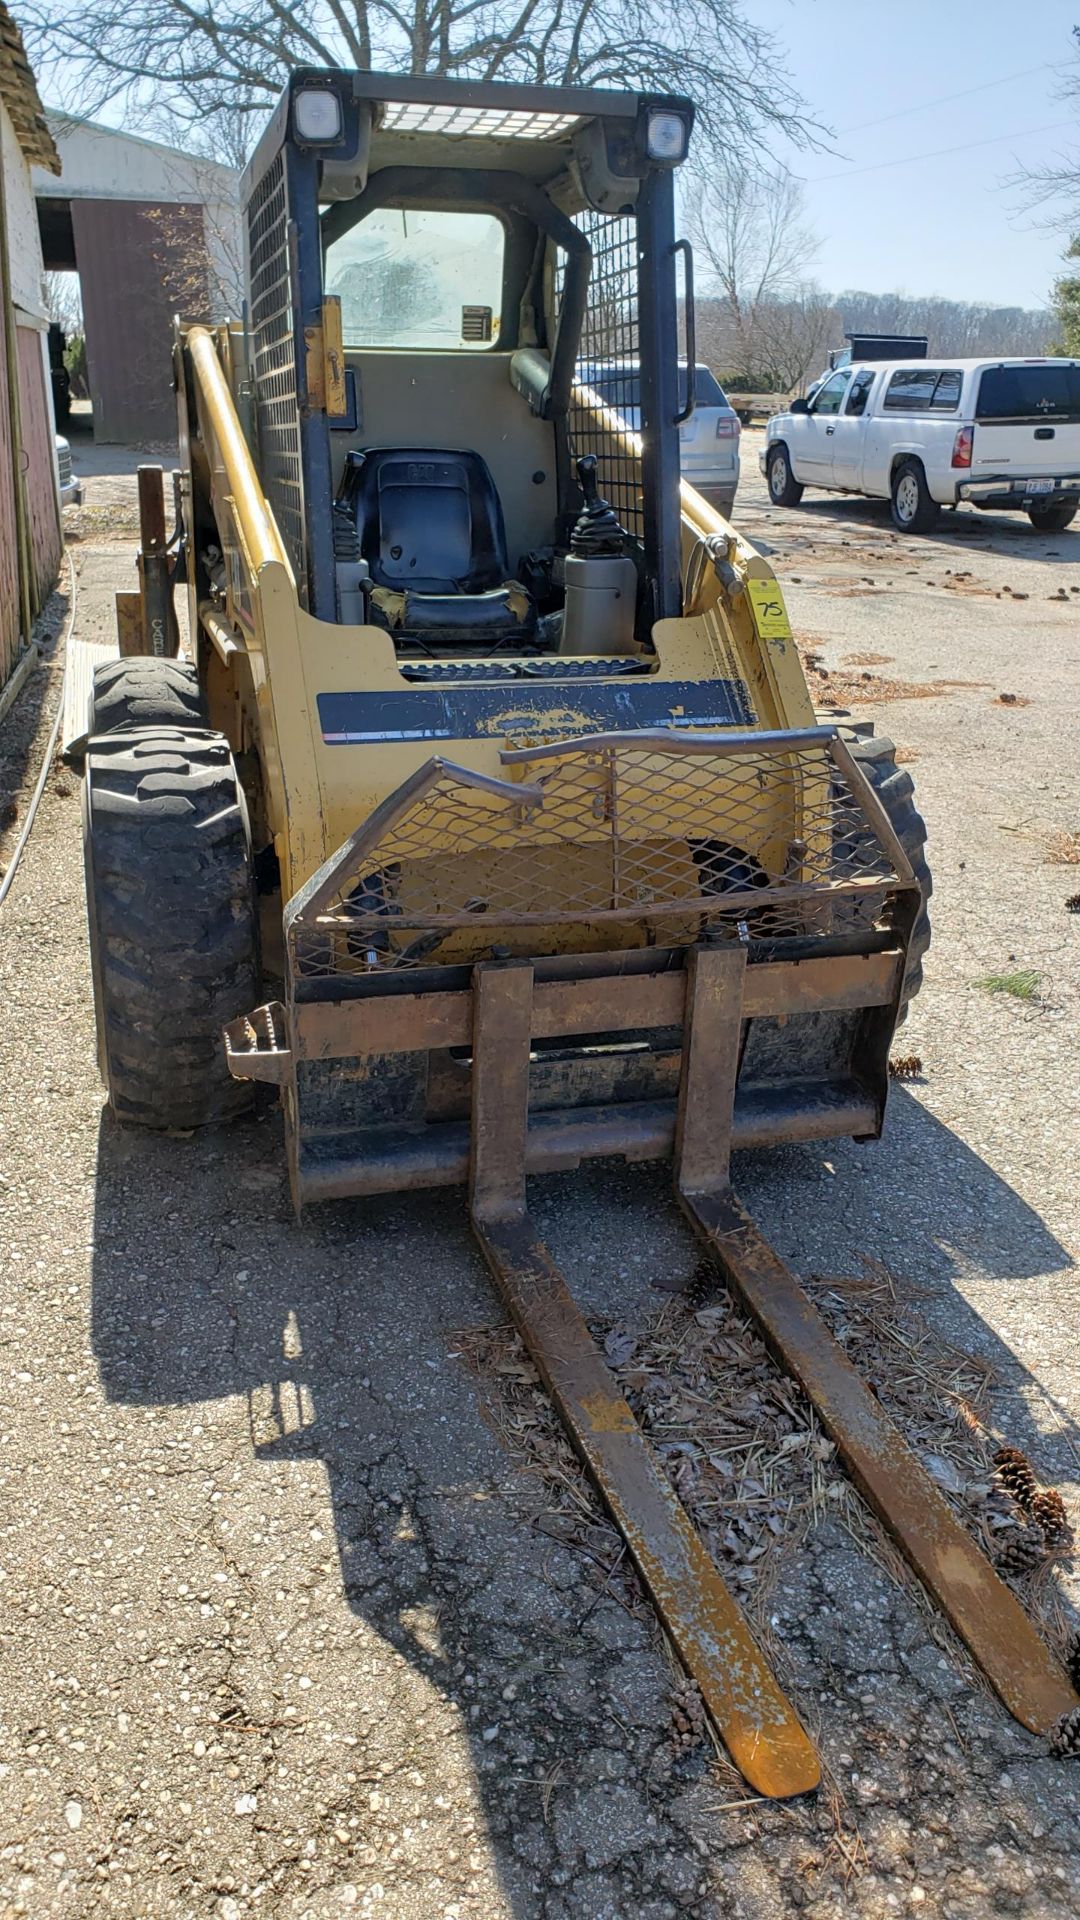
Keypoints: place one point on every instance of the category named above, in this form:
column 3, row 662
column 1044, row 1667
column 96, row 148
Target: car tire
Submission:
column 1051, row 519
column 784, row 489
column 914, row 509
column 172, row 922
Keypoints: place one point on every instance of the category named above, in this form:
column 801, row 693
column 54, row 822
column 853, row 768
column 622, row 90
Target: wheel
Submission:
column 914, row 509
column 144, row 691
column 171, row 915
column 876, row 758
column 1051, row 519
column 784, row 489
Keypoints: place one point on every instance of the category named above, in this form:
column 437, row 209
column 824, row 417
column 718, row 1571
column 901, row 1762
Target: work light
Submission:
column 317, row 115
column 665, row 136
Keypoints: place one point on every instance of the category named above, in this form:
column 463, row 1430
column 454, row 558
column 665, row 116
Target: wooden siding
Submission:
column 43, row 510
column 9, row 545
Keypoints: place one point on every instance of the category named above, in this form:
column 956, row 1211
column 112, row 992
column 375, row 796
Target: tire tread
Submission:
column 172, row 921
column 876, row 757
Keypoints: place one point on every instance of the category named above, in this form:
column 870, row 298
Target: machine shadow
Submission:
column 959, row 527
column 338, row 1333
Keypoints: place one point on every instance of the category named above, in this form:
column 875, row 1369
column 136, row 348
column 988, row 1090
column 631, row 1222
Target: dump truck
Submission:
column 487, row 819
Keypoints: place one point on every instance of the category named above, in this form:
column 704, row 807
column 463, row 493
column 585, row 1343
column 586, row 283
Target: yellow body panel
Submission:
column 265, row 698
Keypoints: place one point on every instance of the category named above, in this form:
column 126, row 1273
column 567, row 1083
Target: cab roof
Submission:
column 428, row 121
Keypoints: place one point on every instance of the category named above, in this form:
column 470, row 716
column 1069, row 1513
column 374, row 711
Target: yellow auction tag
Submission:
column 770, row 613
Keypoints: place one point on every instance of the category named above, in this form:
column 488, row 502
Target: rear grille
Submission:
column 274, row 360
column 436, row 672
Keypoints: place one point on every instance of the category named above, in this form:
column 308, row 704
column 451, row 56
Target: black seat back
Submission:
column 429, row 520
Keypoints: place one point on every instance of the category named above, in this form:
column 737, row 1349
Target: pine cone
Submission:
column 1024, row 1549
column 1072, row 1658
column 1065, row 1735
column 700, row 1287
column 1047, row 1510
column 1015, row 1473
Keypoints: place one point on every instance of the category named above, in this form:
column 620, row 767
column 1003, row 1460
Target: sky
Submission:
column 894, row 213
column 890, row 219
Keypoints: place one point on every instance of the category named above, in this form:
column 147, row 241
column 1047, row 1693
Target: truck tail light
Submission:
column 727, row 429
column 961, row 447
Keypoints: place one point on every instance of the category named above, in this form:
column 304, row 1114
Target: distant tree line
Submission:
column 785, row 341
column 957, row 327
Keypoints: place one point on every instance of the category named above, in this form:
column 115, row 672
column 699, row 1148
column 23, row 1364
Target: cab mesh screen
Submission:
column 609, row 365
column 273, row 360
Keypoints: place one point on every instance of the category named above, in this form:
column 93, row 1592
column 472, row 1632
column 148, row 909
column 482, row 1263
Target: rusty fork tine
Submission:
column 755, row 1721
column 986, row 1615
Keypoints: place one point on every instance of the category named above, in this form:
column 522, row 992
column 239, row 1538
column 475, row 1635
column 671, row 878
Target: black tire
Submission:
column 914, row 509
column 784, row 489
column 1051, row 519
column 144, row 691
column 895, row 789
column 171, row 913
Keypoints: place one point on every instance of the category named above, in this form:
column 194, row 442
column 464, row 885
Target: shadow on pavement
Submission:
column 338, row 1334
column 1010, row 533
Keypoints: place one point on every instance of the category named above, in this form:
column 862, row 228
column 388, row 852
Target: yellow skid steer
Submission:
column 490, row 817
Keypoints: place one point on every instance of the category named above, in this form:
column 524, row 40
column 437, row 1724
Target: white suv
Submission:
column 708, row 440
column 932, row 433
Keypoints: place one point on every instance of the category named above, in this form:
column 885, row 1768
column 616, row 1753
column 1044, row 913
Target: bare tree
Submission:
column 63, row 300
column 793, row 338
column 751, row 237
column 951, row 326
column 1054, row 189
column 197, row 60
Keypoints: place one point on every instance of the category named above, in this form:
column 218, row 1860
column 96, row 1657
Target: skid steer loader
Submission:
column 494, row 760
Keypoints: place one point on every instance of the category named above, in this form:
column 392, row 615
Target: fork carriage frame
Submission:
column 375, row 1066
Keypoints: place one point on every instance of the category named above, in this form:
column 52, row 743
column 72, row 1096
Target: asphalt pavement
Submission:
column 286, row 1629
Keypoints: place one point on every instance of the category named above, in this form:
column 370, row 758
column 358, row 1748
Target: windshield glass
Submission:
column 621, row 386
column 707, row 389
column 1050, row 392
column 418, row 279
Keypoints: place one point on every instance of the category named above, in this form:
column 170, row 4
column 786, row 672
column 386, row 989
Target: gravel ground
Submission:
column 282, row 1633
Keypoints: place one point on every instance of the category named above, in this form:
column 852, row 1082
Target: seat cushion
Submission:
column 429, row 519
column 503, row 614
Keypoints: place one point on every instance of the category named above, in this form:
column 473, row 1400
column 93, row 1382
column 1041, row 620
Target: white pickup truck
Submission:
column 931, row 433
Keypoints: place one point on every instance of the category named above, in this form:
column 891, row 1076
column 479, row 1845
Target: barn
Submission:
column 30, row 535
column 151, row 231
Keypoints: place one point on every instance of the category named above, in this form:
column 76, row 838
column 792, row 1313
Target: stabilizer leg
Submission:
column 982, row 1609
column 755, row 1721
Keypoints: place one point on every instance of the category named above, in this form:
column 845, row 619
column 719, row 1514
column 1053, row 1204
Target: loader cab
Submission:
column 432, row 267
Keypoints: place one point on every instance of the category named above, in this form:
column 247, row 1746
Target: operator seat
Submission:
column 431, row 529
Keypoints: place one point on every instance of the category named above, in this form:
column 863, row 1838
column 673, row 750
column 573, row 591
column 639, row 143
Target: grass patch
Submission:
column 1063, row 849
column 1024, row 984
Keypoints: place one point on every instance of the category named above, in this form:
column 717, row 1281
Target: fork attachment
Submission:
column 755, row 1721
column 982, row 1609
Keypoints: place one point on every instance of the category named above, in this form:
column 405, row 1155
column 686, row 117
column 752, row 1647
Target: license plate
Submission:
column 1038, row 486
